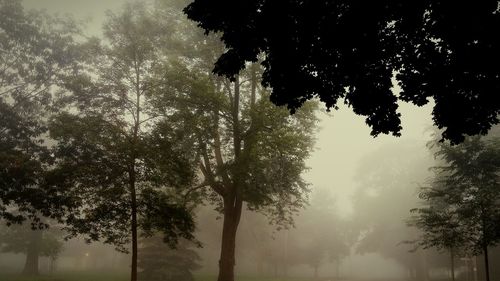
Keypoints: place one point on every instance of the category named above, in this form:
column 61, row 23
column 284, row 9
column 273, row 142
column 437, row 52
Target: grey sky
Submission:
column 92, row 10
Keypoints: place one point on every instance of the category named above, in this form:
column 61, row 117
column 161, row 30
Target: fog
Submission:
column 354, row 227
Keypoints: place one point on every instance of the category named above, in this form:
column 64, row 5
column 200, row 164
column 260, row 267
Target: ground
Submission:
column 101, row 276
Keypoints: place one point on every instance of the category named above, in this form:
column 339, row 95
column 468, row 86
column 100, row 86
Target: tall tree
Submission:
column 36, row 52
column 350, row 50
column 122, row 164
column 248, row 150
column 470, row 193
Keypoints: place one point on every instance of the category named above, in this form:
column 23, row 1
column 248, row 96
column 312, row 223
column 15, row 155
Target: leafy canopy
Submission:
column 37, row 52
column 351, row 50
column 117, row 157
column 462, row 208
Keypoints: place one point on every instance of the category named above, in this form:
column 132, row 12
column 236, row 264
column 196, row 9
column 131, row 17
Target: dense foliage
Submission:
column 37, row 52
column 463, row 209
column 351, row 50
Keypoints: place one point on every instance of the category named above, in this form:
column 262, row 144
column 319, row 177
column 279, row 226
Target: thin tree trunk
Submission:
column 452, row 260
column 486, row 262
column 260, row 267
column 315, row 272
column 133, row 198
column 474, row 268
column 133, row 276
column 52, row 267
column 132, row 174
column 285, row 255
column 232, row 214
column 32, row 253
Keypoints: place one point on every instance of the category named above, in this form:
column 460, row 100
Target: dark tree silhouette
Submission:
column 444, row 50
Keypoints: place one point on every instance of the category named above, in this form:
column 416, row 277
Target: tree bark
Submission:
column 232, row 215
column 132, row 176
column 33, row 253
column 486, row 262
column 133, row 271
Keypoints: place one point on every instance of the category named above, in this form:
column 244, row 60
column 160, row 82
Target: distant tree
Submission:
column 34, row 243
column 323, row 231
column 384, row 195
column 440, row 225
column 314, row 255
column 262, row 240
column 159, row 262
column 351, row 50
column 278, row 250
column 469, row 190
column 37, row 52
column 123, row 163
column 249, row 151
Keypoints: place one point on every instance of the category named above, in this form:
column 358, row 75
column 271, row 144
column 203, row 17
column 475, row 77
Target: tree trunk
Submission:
column 260, row 267
column 285, row 255
column 475, row 268
column 452, row 260
column 315, row 272
column 52, row 266
column 486, row 262
column 133, row 198
column 32, row 253
column 132, row 171
column 232, row 214
column 421, row 270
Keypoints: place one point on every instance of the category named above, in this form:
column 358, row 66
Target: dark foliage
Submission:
column 445, row 50
column 36, row 52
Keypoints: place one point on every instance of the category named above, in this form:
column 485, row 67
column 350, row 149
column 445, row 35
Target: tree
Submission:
column 352, row 49
column 37, row 52
column 440, row 225
column 159, row 262
column 123, row 164
column 32, row 242
column 324, row 233
column 469, row 192
column 381, row 226
column 249, row 151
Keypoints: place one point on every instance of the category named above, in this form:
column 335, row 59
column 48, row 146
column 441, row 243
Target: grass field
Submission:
column 106, row 276
column 67, row 276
